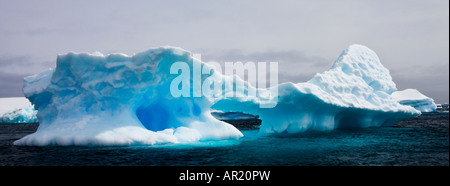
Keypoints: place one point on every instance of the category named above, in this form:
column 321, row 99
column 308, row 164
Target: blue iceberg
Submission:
column 354, row 93
column 116, row 99
column 92, row 99
column 20, row 115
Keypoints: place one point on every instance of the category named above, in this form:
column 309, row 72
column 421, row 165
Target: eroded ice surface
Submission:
column 92, row 99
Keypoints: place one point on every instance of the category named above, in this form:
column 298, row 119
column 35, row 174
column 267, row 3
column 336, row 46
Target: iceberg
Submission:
column 20, row 115
column 93, row 99
column 116, row 99
column 414, row 98
column 354, row 93
column 17, row 110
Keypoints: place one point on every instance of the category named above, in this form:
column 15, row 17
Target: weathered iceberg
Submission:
column 414, row 98
column 354, row 93
column 92, row 99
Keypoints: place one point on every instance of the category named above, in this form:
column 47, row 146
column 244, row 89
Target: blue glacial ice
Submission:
column 92, row 99
column 115, row 99
column 20, row 115
column 17, row 110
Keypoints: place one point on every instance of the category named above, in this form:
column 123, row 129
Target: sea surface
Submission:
column 416, row 142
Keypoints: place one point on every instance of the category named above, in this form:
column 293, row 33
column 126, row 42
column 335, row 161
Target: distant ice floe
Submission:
column 17, row 110
column 414, row 98
column 20, row 115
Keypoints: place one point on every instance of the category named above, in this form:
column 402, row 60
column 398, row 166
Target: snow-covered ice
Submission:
column 354, row 92
column 414, row 98
column 96, row 99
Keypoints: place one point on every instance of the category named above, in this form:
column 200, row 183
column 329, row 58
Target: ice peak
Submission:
column 361, row 61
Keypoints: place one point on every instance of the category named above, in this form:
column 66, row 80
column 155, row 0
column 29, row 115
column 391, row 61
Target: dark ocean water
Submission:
column 390, row 146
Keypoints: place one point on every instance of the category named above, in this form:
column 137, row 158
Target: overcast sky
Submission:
column 411, row 37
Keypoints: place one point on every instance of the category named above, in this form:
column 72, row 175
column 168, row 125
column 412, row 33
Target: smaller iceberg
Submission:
column 17, row 110
column 414, row 98
column 20, row 115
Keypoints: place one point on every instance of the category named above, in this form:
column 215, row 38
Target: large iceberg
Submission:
column 414, row 98
column 92, row 99
column 96, row 99
column 353, row 93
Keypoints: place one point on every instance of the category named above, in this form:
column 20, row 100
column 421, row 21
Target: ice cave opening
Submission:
column 154, row 114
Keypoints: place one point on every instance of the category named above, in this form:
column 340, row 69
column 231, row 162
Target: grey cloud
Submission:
column 11, row 85
column 24, row 64
column 7, row 60
column 14, row 68
column 293, row 65
column 270, row 55
column 436, row 88
column 305, row 37
column 431, row 80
